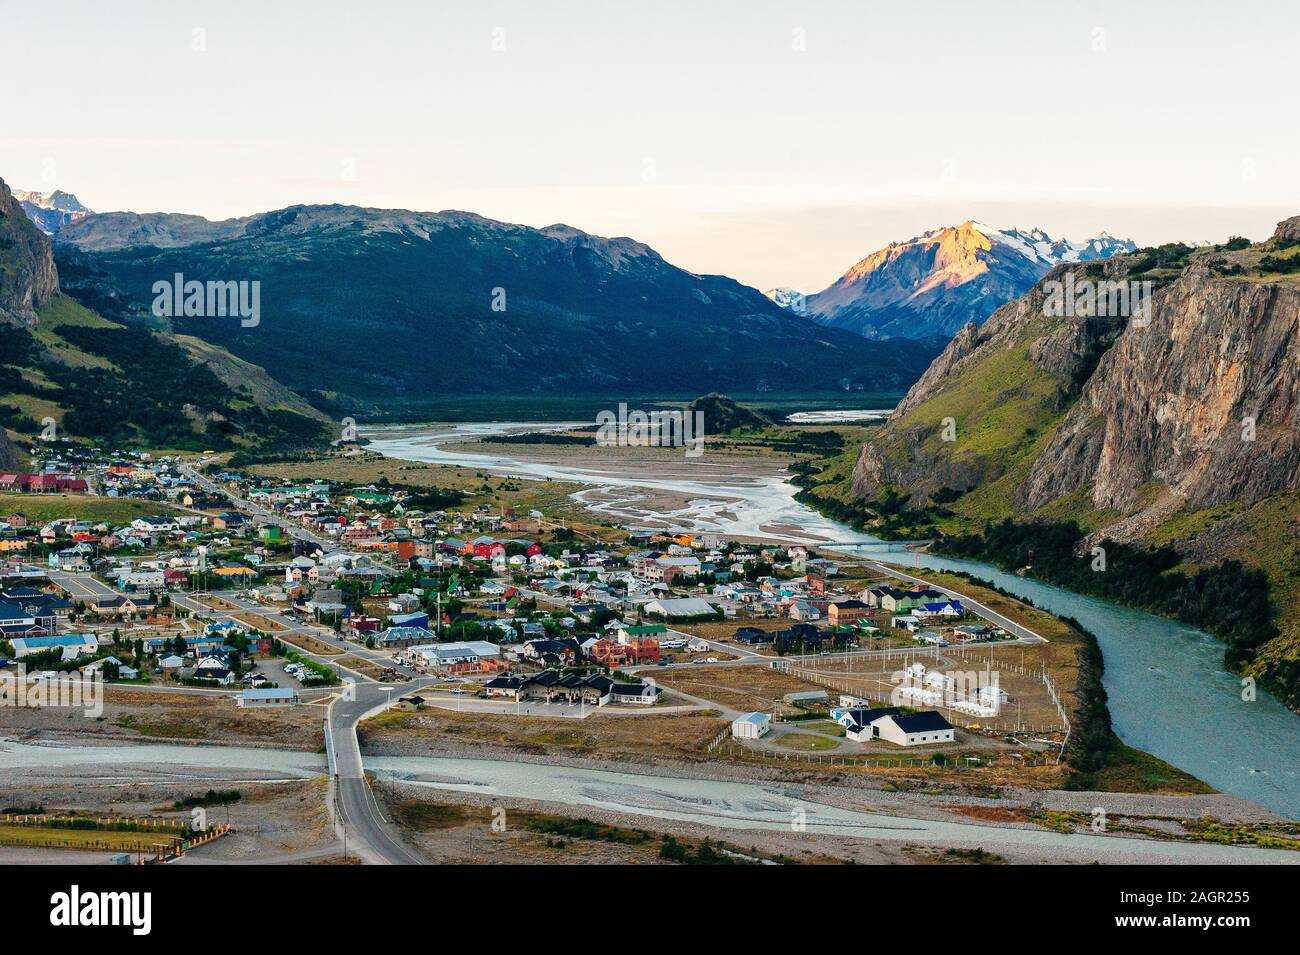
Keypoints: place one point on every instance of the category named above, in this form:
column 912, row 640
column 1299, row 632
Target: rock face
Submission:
column 995, row 383
column 1205, row 401
column 27, row 275
column 8, row 453
column 1196, row 407
column 934, row 284
column 1288, row 230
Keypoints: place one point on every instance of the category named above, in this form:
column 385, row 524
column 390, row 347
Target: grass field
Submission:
column 258, row 622
column 743, row 688
column 310, row 644
column 42, row 508
column 51, row 838
column 681, row 735
column 370, row 669
column 805, row 742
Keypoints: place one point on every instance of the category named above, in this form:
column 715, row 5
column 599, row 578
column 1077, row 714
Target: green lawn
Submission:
column 41, row 508
column 805, row 742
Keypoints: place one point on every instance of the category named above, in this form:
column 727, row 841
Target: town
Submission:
column 279, row 593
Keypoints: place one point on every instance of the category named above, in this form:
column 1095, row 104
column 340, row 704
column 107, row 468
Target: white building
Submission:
column 450, row 654
column 680, row 607
column 914, row 729
column 268, row 696
column 751, row 726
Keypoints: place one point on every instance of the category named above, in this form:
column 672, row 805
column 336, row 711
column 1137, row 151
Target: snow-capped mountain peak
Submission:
column 932, row 284
column 790, row 299
column 1037, row 245
column 51, row 211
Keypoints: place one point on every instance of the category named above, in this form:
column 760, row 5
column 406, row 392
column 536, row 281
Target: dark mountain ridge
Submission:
column 396, row 304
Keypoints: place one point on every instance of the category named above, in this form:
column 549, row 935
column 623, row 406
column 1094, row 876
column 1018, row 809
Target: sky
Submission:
column 775, row 142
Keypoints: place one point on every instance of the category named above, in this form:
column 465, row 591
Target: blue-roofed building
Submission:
column 417, row 619
column 72, row 644
column 268, row 696
column 940, row 608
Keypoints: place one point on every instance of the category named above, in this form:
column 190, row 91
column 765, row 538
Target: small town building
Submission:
column 268, row 696
column 751, row 726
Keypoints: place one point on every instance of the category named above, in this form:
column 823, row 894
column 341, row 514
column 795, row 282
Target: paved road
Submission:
column 290, row 626
column 1024, row 633
column 373, row 836
column 376, row 838
column 267, row 515
column 82, row 586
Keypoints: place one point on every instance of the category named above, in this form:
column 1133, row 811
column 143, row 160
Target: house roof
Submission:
column 505, row 683
column 62, row 640
column 925, row 722
column 865, row 717
column 269, row 693
column 940, row 605
column 684, row 607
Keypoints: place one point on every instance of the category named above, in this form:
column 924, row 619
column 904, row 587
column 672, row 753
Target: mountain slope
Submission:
column 28, row 278
column 397, row 304
column 111, row 384
column 9, row 459
column 932, row 285
column 1180, row 431
column 51, row 211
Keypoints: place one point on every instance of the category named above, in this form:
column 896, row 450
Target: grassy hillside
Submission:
column 41, row 508
column 1229, row 569
column 110, row 384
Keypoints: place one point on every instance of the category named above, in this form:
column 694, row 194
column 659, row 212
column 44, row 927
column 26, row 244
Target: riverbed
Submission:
column 714, row 803
column 1169, row 694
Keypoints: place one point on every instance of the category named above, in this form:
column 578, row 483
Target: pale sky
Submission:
column 776, row 142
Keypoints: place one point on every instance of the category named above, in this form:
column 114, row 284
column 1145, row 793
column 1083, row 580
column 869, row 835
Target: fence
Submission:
column 718, row 740
column 841, row 761
column 880, row 696
column 109, row 824
column 81, row 833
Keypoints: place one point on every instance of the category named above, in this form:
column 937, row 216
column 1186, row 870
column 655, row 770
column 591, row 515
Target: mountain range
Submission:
column 397, row 305
column 932, row 285
column 51, row 211
column 1170, row 435
column 121, row 384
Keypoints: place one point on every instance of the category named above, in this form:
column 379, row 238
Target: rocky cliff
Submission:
column 1195, row 404
column 984, row 401
column 1175, row 425
column 8, row 453
column 28, row 279
column 1203, row 402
